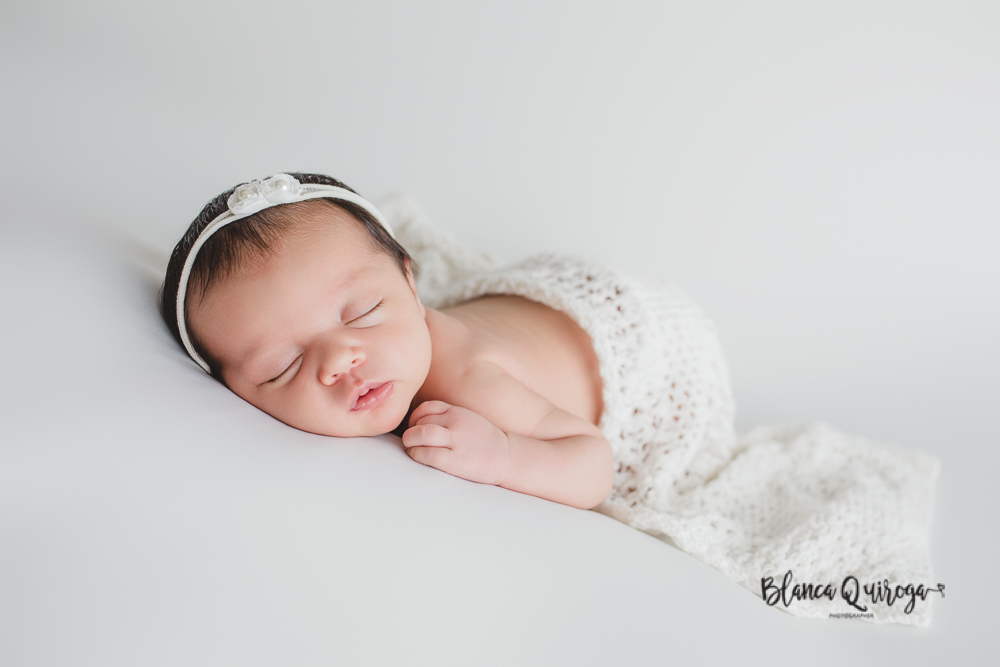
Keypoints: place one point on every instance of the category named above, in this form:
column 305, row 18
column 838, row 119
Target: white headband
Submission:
column 248, row 199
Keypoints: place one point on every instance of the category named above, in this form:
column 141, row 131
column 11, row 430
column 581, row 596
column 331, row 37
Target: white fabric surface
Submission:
column 806, row 499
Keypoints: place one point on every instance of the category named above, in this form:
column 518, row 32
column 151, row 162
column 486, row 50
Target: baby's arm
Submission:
column 495, row 430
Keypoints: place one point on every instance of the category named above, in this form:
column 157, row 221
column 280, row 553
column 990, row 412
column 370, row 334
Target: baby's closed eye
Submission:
column 364, row 317
column 286, row 371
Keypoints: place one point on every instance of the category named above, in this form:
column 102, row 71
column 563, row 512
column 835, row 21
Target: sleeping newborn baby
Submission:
column 304, row 305
column 555, row 376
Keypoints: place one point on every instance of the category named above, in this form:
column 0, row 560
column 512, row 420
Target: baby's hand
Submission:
column 457, row 441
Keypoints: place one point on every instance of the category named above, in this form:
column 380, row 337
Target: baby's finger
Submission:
column 428, row 408
column 426, row 435
column 435, row 457
column 441, row 420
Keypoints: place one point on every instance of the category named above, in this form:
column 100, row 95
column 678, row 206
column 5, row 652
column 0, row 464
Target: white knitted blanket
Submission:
column 804, row 516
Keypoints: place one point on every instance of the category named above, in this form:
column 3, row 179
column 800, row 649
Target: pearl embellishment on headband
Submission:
column 255, row 196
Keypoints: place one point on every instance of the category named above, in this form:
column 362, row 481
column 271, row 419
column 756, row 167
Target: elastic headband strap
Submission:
column 251, row 198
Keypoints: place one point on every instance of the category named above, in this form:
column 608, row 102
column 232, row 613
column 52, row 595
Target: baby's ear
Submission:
column 413, row 285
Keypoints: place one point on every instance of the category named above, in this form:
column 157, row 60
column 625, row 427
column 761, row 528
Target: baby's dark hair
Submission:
column 252, row 239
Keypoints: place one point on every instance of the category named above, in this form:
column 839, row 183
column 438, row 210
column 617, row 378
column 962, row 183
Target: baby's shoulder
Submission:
column 478, row 335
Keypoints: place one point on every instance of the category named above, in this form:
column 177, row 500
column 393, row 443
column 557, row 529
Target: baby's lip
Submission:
column 361, row 390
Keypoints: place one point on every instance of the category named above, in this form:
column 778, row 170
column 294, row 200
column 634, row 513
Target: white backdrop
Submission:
column 823, row 181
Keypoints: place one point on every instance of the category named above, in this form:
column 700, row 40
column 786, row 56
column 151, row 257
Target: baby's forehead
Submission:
column 342, row 267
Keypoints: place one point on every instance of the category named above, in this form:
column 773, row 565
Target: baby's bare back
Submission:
column 543, row 349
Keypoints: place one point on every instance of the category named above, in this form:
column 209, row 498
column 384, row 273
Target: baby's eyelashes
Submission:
column 371, row 311
column 287, row 370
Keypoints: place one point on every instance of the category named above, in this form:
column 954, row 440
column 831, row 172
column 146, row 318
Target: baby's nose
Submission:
column 338, row 360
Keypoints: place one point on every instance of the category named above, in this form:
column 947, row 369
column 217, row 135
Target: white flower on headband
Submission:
column 255, row 196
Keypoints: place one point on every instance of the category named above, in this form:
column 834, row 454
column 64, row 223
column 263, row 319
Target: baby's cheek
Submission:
column 302, row 411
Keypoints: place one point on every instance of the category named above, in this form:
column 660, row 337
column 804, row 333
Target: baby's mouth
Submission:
column 372, row 397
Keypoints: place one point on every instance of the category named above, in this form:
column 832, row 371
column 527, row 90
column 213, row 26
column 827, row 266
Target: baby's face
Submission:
column 326, row 335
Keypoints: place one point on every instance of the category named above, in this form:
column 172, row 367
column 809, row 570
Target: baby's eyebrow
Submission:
column 353, row 279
